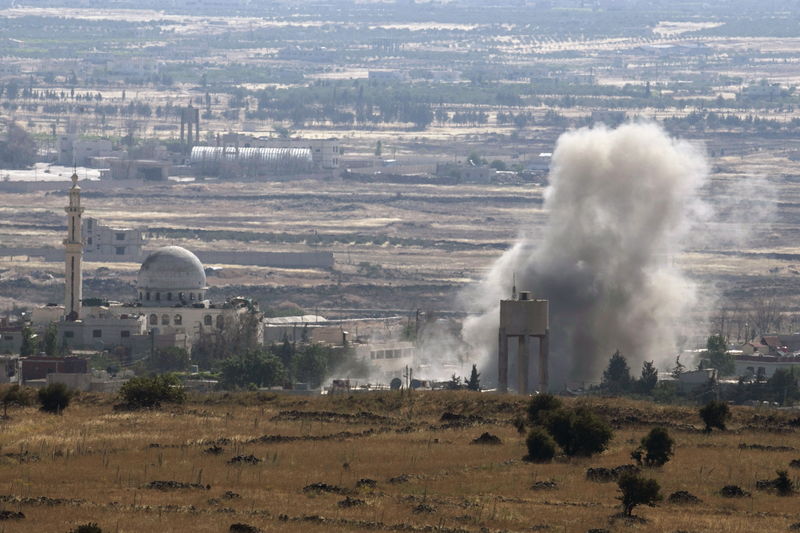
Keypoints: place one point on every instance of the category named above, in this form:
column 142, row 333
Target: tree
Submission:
column 783, row 484
column 29, row 344
column 656, row 448
column 474, row 382
column 679, row 368
column 54, row 398
column 475, row 160
column 454, row 383
column 18, row 150
column 637, row 490
column 541, row 446
column 51, row 340
column 579, row 432
column 782, row 386
column 255, row 367
column 717, row 355
column 498, row 164
column 649, row 379
column 617, row 377
column 169, row 359
column 540, row 405
column 311, row 364
column 13, row 395
column 378, row 148
column 715, row 415
column 145, row 392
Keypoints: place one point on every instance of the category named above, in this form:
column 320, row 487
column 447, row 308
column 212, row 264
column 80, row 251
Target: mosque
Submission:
column 171, row 306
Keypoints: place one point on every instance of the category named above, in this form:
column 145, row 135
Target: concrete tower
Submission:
column 73, row 246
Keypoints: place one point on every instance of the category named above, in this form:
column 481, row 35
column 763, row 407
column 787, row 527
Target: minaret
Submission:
column 73, row 247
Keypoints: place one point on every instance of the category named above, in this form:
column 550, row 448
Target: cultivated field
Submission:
column 93, row 464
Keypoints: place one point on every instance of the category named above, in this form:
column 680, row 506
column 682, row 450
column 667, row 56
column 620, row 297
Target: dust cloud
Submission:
column 621, row 205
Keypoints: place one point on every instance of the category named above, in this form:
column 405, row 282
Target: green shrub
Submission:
column 656, row 448
column 783, row 484
column 147, row 392
column 540, row 405
column 579, row 432
column 54, row 398
column 541, row 446
column 715, row 415
column 14, row 395
column 637, row 490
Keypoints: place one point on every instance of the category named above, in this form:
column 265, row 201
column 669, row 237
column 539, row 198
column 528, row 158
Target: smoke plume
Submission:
column 620, row 205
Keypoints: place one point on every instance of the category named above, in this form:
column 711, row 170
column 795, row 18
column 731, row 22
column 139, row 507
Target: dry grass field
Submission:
column 93, row 464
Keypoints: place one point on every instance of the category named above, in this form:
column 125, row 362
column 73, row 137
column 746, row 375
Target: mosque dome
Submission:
column 171, row 275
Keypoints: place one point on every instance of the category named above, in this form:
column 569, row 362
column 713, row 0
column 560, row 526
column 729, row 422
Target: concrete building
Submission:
column 523, row 318
column 104, row 243
column 764, row 366
column 75, row 151
column 10, row 337
column 38, row 367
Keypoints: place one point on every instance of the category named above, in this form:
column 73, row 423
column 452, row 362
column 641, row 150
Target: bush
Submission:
column 656, row 448
column 541, row 404
column 541, row 446
column 579, row 432
column 637, row 490
column 54, row 398
column 147, row 392
column 715, row 415
column 783, row 484
column 14, row 395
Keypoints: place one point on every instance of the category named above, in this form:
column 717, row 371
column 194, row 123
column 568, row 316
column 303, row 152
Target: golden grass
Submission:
column 94, row 464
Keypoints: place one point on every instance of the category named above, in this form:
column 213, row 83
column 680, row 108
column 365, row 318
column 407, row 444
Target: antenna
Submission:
column 514, row 287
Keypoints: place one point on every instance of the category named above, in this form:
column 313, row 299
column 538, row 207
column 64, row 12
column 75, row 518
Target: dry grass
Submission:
column 95, row 463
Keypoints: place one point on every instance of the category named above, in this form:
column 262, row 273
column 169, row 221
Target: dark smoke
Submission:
column 620, row 206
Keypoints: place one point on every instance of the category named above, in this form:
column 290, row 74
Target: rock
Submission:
column 243, row 528
column 365, row 482
column 175, row 485
column 487, row 438
column 351, row 502
column 323, row 487
column 11, row 515
column 230, row 495
column 402, row 478
column 733, row 491
column 423, row 508
column 544, row 485
column 683, row 497
column 214, row 450
column 244, row 459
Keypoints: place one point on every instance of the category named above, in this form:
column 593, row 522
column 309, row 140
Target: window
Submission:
column 178, row 320
column 165, row 320
column 169, row 296
column 148, row 295
column 120, row 250
column 120, row 236
column 8, row 337
column 180, row 296
column 124, row 333
column 153, row 320
column 89, row 241
column 97, row 333
column 158, row 296
column 207, row 320
column 69, row 334
column 191, row 296
column 220, row 321
column 140, row 295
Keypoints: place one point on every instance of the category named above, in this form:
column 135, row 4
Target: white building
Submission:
column 104, row 243
column 75, row 151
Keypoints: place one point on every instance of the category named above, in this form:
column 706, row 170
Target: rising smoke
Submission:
column 620, row 205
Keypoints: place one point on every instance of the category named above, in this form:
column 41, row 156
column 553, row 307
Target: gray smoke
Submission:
column 620, row 204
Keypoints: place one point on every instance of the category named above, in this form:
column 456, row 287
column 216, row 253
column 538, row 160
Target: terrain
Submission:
column 373, row 462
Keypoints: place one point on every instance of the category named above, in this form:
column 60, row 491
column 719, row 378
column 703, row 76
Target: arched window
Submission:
column 220, row 321
column 153, row 320
column 141, row 295
column 165, row 320
column 158, row 296
column 169, row 296
column 178, row 320
column 147, row 295
column 207, row 320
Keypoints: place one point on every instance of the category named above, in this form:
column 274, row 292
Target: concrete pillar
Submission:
column 522, row 365
column 502, row 361
column 544, row 361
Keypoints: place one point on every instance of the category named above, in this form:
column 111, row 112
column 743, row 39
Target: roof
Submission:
column 172, row 268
